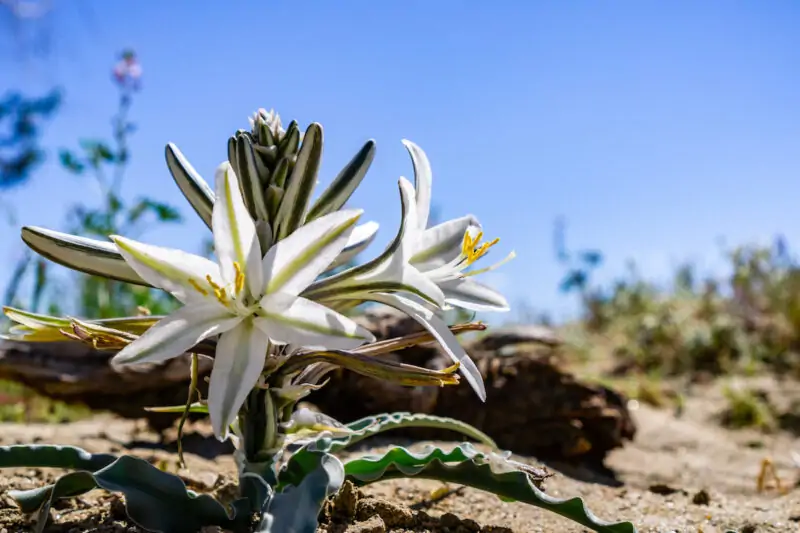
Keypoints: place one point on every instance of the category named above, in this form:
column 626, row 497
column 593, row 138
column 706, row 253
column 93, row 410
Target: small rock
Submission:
column 450, row 520
column 470, row 525
column 393, row 515
column 701, row 498
column 663, row 489
column 373, row 525
column 497, row 529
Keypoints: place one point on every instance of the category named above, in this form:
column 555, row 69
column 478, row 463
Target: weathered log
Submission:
column 532, row 406
column 76, row 373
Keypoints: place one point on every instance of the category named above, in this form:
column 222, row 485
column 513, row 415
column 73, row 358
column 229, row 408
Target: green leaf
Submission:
column 154, row 500
column 464, row 465
column 163, row 212
column 71, row 162
column 296, row 509
column 80, row 253
column 343, row 186
column 191, row 184
column 292, row 211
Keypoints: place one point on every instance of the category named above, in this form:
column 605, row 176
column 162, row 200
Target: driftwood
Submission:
column 532, row 407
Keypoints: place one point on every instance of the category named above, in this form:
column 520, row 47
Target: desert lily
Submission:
column 273, row 329
column 444, row 252
column 249, row 301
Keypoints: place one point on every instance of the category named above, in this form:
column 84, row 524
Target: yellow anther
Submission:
column 239, row 279
column 211, row 282
column 197, row 287
column 219, row 292
column 472, row 251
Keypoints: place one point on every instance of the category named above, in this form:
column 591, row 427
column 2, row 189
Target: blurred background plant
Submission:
column 104, row 163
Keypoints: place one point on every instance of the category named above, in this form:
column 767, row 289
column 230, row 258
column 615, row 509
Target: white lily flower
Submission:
column 249, row 301
column 386, row 278
column 443, row 252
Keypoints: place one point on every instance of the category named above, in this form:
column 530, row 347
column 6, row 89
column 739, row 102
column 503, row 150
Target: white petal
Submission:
column 423, row 178
column 235, row 232
column 294, row 263
column 472, row 295
column 412, row 229
column 239, row 360
column 361, row 237
column 442, row 334
column 309, row 324
column 174, row 271
column 442, row 243
column 176, row 333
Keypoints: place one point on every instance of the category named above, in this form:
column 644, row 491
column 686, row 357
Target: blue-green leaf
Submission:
column 466, row 466
column 296, row 509
column 372, row 425
column 154, row 500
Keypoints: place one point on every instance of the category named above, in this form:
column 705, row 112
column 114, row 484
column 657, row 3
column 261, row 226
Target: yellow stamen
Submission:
column 211, row 282
column 198, row 288
column 472, row 251
column 219, row 292
column 239, row 279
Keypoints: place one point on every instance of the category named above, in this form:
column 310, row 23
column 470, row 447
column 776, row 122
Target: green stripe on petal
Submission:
column 359, row 240
column 381, row 262
column 179, row 273
column 306, row 323
column 235, row 240
column 442, row 243
column 91, row 256
column 177, row 333
column 238, row 363
column 295, row 262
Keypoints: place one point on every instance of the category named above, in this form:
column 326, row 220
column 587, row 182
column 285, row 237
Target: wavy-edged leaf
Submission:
column 372, row 425
column 464, row 465
column 46, row 456
column 345, row 183
column 296, row 508
column 91, row 256
column 154, row 500
column 292, row 210
column 191, row 184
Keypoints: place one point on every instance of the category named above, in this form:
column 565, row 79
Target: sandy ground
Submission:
column 656, row 481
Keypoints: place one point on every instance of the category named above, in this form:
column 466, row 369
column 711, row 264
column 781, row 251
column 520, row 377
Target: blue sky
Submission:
column 653, row 127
